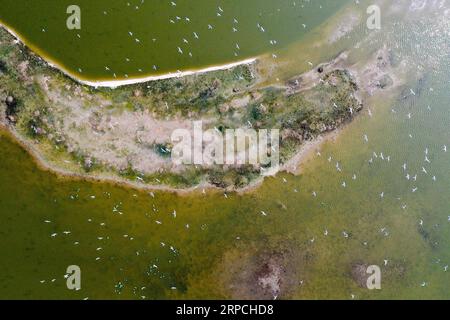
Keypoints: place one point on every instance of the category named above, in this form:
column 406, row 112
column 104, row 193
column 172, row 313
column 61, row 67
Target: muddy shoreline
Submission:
column 303, row 155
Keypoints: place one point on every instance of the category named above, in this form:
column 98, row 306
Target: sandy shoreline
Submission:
column 180, row 74
column 125, row 82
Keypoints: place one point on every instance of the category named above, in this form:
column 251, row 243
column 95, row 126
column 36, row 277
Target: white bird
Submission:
column 444, row 148
column 366, row 138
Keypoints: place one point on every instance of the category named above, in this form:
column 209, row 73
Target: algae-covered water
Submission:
column 135, row 38
column 129, row 244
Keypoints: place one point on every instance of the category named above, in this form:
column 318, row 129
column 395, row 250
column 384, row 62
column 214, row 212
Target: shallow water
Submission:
column 140, row 258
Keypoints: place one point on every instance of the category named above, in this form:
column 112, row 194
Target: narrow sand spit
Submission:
column 179, row 74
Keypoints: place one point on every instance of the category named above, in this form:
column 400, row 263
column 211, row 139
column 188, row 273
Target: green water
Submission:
column 141, row 258
column 104, row 40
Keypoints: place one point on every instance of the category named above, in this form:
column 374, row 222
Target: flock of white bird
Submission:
column 186, row 44
column 411, row 176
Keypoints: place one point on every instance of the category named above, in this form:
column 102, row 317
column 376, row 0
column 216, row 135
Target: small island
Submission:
column 123, row 133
